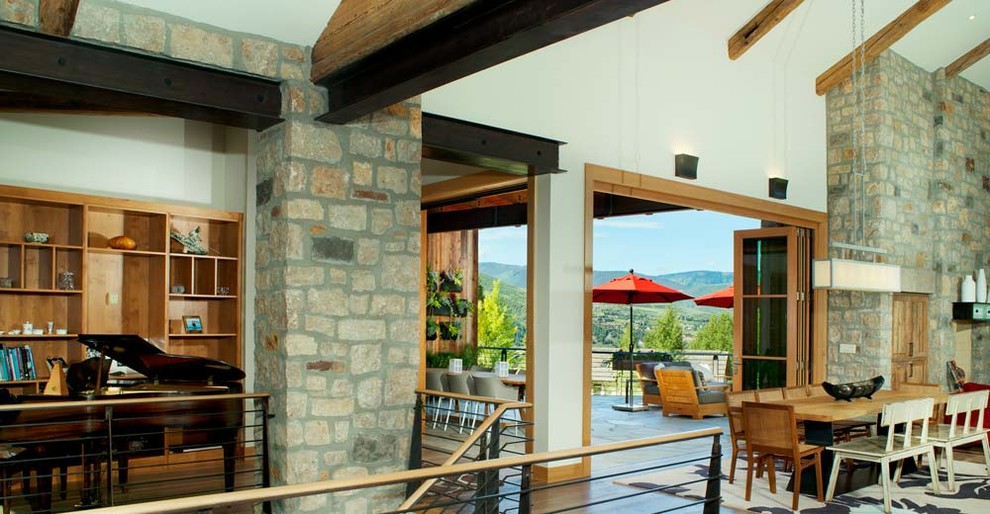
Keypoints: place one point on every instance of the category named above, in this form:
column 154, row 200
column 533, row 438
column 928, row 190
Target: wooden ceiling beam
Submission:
column 118, row 80
column 56, row 17
column 968, row 59
column 882, row 40
column 479, row 35
column 361, row 27
column 760, row 25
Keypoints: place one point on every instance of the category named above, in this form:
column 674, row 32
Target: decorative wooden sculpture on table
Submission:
column 861, row 389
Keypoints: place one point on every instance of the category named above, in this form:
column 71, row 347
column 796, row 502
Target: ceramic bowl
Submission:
column 35, row 237
column 863, row 388
column 37, row 332
column 14, row 332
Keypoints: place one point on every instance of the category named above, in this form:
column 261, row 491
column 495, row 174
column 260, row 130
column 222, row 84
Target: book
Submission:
column 32, row 374
column 5, row 373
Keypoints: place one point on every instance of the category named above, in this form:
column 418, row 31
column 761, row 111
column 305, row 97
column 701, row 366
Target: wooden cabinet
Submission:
column 909, row 352
column 116, row 291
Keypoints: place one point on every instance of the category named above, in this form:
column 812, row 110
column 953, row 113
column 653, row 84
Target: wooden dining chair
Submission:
column 960, row 410
column 737, row 436
column 793, row 392
column 893, row 447
column 771, row 431
column 769, row 394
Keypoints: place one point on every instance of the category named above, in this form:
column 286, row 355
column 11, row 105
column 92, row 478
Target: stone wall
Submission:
column 337, row 311
column 920, row 203
column 152, row 32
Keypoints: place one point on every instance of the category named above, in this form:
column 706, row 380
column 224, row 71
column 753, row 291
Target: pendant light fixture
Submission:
column 849, row 273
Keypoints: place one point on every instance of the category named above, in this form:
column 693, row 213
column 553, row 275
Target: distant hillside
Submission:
column 694, row 283
column 609, row 321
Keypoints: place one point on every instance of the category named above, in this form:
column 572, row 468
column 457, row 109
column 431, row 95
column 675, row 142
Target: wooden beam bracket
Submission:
column 56, row 17
column 116, row 79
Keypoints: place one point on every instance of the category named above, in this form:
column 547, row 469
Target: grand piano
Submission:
column 94, row 436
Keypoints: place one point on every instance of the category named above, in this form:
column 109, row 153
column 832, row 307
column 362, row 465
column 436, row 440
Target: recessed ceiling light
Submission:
column 972, row 17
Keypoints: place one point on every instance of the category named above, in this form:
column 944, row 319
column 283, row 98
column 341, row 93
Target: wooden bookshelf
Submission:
column 116, row 291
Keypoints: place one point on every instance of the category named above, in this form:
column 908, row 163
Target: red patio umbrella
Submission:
column 722, row 298
column 628, row 290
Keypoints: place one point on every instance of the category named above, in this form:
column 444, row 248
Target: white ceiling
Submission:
column 935, row 43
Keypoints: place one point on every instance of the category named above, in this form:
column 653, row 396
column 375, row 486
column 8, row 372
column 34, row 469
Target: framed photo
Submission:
column 192, row 324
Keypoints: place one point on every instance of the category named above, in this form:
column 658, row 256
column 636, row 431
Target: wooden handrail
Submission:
column 397, row 477
column 456, row 455
column 125, row 400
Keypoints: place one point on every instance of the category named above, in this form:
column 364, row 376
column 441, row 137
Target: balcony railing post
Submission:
column 266, row 481
column 489, row 485
column 524, row 499
column 109, row 419
column 713, row 491
column 416, row 451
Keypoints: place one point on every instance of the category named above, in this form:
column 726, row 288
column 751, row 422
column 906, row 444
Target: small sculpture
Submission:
column 863, row 388
column 191, row 242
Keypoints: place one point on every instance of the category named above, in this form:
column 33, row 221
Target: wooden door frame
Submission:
column 604, row 179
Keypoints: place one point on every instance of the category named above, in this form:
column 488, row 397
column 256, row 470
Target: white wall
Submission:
column 631, row 95
column 138, row 157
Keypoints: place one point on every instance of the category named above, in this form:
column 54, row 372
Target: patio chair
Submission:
column 771, row 431
column 681, row 393
column 892, row 447
column 436, row 380
column 796, row 392
column 769, row 394
column 460, row 383
column 648, row 383
column 490, row 385
column 959, row 410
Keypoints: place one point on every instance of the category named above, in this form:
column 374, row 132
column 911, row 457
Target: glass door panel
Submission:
column 771, row 289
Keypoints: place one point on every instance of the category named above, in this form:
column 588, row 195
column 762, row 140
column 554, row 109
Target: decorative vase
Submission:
column 967, row 292
column 981, row 286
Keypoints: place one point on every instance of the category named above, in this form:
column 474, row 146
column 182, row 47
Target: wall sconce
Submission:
column 778, row 188
column 685, row 166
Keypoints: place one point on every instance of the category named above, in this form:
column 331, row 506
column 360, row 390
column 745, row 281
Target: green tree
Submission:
column 716, row 334
column 666, row 333
column 496, row 325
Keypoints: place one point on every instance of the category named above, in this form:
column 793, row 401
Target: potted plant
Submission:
column 452, row 281
column 450, row 330
column 432, row 329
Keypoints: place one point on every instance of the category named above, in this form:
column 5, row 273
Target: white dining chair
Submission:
column 892, row 447
column 961, row 430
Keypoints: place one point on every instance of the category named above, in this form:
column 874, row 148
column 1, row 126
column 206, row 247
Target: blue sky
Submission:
column 662, row 243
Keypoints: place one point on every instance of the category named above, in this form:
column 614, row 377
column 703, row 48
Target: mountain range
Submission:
column 609, row 320
column 694, row 283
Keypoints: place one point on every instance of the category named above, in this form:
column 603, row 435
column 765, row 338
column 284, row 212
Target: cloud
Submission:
column 630, row 223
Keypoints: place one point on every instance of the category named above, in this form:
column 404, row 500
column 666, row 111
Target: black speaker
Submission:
column 778, row 188
column 685, row 166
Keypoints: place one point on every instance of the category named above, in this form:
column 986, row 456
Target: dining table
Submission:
column 819, row 413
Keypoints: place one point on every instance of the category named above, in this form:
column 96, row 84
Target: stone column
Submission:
column 337, row 310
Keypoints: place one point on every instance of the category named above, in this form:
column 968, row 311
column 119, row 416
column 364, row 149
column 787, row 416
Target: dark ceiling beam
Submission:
column 760, row 25
column 473, row 38
column 130, row 82
column 56, row 17
column 607, row 205
column 463, row 142
column 486, row 217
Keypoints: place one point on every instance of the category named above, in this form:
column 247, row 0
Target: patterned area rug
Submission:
column 912, row 494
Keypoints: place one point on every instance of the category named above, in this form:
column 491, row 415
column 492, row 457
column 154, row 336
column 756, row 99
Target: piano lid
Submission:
column 149, row 360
